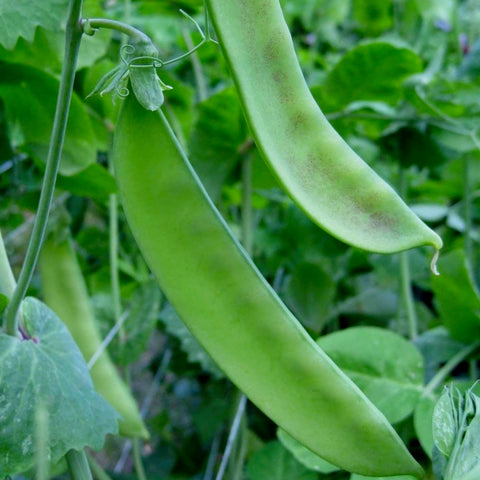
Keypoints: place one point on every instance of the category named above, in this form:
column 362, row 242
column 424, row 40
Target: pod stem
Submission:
column 91, row 25
column 78, row 466
column 7, row 280
column 405, row 275
column 72, row 44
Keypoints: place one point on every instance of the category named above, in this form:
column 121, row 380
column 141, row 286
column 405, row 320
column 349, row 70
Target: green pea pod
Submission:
column 234, row 313
column 64, row 291
column 317, row 168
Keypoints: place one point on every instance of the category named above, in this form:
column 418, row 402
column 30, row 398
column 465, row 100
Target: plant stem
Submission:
column 137, row 460
column 78, row 465
column 237, row 420
column 443, row 372
column 90, row 25
column 72, row 44
column 98, row 472
column 7, row 280
column 405, row 277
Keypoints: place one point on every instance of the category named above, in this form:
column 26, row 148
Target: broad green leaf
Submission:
column 373, row 17
column 414, row 146
column 310, row 294
column 356, row 476
column 139, row 323
column 47, row 370
column 215, row 140
column 430, row 212
column 274, row 462
column 386, row 367
column 30, row 96
column 45, row 51
column 374, row 71
column 457, row 300
column 422, row 419
column 304, row 455
column 94, row 182
column 188, row 342
column 20, row 18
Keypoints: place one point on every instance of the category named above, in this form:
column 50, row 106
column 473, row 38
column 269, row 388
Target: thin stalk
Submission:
column 443, row 372
column 7, row 280
column 42, row 468
column 137, row 460
column 72, row 44
column 78, row 467
column 90, row 25
column 98, row 472
column 405, row 276
column 232, row 436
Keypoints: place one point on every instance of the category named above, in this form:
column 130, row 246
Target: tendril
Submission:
column 125, row 51
column 122, row 92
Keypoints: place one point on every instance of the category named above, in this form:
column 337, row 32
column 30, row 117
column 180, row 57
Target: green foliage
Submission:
column 397, row 85
column 46, row 370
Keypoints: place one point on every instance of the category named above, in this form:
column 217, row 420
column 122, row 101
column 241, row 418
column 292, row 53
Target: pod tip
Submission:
column 433, row 263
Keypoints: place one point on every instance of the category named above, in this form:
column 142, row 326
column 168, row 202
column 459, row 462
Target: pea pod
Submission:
column 64, row 291
column 234, row 313
column 317, row 168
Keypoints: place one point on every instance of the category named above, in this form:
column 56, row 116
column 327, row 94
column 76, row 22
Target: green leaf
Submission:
column 373, row 16
column 374, row 71
column 216, row 137
column 386, row 367
column 47, row 371
column 422, row 419
column 140, row 321
column 457, row 299
column 310, row 294
column 274, row 462
column 304, row 455
column 189, row 344
column 94, row 182
column 29, row 96
column 20, row 18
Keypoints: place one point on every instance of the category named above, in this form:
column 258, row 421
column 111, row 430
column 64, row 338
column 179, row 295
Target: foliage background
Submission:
column 400, row 81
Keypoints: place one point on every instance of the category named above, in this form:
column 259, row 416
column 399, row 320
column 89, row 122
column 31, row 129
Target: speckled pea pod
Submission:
column 64, row 290
column 317, row 168
column 233, row 312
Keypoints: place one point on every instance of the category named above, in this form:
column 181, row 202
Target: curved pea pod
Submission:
column 64, row 291
column 233, row 312
column 315, row 166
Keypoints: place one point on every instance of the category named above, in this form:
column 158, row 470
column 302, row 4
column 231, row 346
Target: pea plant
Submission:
column 239, row 240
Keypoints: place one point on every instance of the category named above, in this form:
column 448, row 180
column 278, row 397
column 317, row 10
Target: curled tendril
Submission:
column 125, row 51
column 122, row 91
